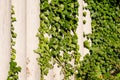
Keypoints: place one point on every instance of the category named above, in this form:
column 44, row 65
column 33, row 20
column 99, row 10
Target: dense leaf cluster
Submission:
column 14, row 69
column 57, row 37
column 103, row 63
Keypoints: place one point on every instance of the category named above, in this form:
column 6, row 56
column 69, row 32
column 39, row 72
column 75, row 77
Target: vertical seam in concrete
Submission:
column 26, row 35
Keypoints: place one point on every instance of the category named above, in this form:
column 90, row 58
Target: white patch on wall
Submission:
column 86, row 27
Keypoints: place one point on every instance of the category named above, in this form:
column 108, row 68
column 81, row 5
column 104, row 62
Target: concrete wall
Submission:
column 5, row 24
column 32, row 24
column 20, row 29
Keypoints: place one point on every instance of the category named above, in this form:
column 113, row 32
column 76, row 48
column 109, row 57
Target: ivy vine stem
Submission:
column 14, row 68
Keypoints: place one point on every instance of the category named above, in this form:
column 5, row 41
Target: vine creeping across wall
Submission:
column 103, row 63
column 57, row 33
column 57, row 37
column 14, row 68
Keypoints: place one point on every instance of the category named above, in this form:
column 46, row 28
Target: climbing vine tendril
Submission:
column 14, row 68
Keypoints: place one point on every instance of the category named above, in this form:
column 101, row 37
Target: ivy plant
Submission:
column 14, row 68
column 87, row 44
column 59, row 21
column 84, row 21
column 84, row 14
column 57, row 33
column 103, row 63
